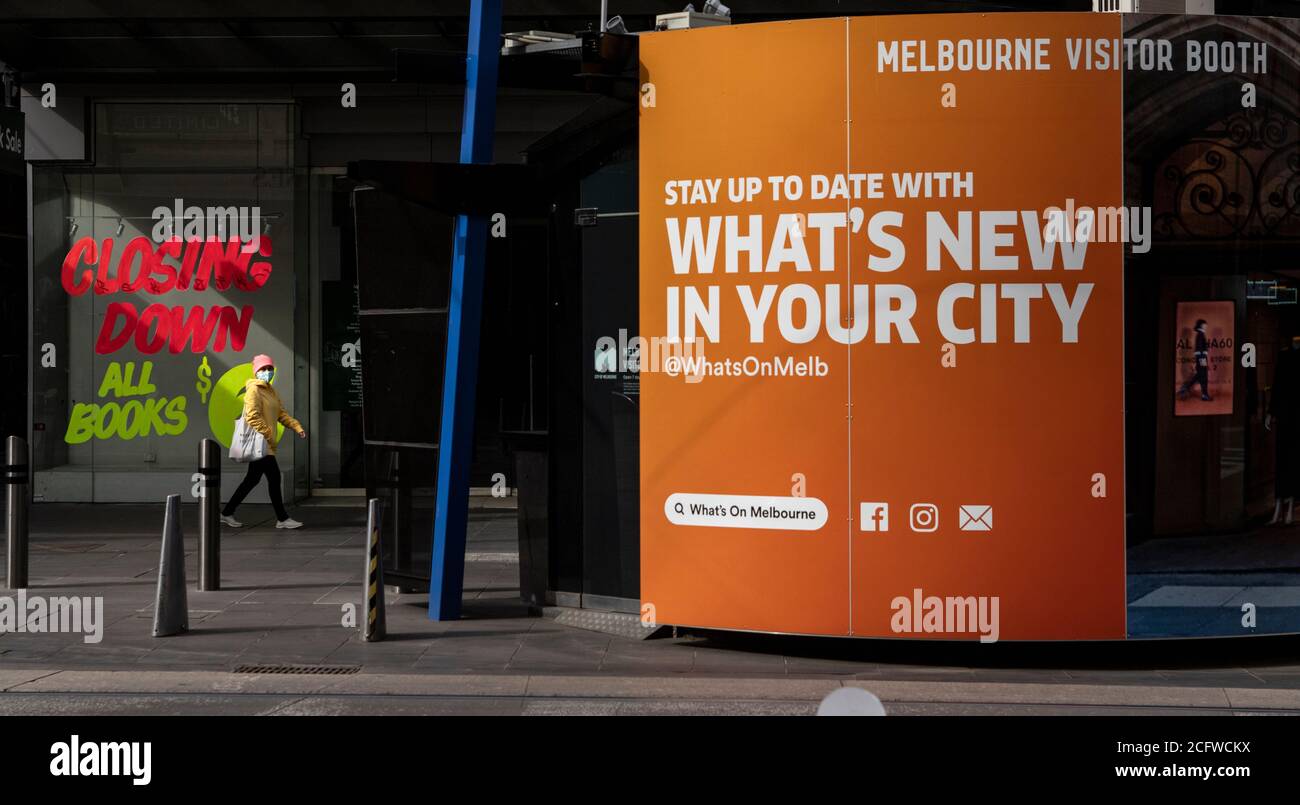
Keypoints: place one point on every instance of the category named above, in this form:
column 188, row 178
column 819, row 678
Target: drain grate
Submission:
column 297, row 669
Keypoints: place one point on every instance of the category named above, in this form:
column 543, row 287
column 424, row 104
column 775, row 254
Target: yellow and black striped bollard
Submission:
column 373, row 627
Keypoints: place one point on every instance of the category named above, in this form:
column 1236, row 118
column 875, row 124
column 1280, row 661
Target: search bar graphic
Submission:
column 745, row 511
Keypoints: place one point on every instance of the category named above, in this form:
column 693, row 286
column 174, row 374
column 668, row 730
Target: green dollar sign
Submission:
column 205, row 380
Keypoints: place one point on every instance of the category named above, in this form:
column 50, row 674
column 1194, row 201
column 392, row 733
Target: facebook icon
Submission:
column 874, row 517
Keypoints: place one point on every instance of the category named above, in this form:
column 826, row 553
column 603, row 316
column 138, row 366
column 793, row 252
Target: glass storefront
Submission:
column 145, row 322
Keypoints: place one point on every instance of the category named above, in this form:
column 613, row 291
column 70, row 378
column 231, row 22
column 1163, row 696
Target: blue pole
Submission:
column 460, row 375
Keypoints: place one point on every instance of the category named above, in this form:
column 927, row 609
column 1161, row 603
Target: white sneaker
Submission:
column 290, row 523
column 230, row 521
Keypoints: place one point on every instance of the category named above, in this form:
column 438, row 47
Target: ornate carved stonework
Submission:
column 1213, row 170
column 1237, row 179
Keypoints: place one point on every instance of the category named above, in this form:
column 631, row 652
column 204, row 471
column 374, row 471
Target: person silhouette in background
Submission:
column 1201, row 355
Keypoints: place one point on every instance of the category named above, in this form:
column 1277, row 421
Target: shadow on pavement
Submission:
column 1261, row 650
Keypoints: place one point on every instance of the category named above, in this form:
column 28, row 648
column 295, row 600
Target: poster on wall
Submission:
column 154, row 283
column 340, row 347
column 877, row 304
column 744, row 391
column 174, row 317
column 1204, row 358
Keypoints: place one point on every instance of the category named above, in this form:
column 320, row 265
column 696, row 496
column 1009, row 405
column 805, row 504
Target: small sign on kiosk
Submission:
column 12, row 132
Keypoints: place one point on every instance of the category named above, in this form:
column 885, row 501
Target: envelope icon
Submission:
column 975, row 517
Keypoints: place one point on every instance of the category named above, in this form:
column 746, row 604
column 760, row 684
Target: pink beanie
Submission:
column 262, row 361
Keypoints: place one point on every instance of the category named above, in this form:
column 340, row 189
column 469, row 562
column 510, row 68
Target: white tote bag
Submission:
column 247, row 444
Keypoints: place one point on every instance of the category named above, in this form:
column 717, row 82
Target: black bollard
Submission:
column 18, row 497
column 209, row 515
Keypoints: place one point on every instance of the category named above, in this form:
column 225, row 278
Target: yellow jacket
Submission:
column 262, row 409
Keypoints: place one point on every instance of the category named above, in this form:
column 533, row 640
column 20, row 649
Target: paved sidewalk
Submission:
column 1192, row 586
column 284, row 593
column 197, row 692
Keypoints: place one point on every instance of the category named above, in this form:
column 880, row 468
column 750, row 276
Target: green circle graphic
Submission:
column 227, row 404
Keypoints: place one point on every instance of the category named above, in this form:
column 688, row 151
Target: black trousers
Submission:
column 256, row 469
column 1202, row 377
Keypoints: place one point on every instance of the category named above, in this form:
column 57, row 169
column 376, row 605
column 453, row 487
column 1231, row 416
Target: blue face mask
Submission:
column 266, row 374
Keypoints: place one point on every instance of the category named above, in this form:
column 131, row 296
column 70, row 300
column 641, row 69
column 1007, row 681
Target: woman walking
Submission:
column 262, row 410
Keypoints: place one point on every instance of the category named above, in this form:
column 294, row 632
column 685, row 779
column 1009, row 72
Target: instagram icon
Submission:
column 924, row 517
